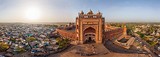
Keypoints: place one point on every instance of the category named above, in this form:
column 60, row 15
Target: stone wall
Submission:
column 115, row 33
column 67, row 34
column 110, row 35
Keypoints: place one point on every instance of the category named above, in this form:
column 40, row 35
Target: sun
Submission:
column 33, row 13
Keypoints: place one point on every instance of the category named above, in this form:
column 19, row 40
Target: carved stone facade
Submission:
column 90, row 27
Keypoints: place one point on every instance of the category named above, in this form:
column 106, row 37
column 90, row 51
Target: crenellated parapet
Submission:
column 90, row 15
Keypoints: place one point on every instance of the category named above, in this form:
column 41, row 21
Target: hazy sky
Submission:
column 67, row 10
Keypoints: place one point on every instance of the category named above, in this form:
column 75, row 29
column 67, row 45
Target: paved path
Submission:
column 69, row 53
column 115, row 48
column 25, row 54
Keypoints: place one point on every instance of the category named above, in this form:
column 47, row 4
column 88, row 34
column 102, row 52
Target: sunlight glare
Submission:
column 33, row 13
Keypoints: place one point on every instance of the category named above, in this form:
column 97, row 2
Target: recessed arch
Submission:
column 89, row 35
column 90, row 26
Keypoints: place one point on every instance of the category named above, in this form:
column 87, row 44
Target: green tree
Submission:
column 151, row 29
column 62, row 42
column 3, row 46
column 130, row 28
column 13, row 40
column 152, row 43
column 19, row 50
column 58, row 39
column 141, row 35
column 31, row 39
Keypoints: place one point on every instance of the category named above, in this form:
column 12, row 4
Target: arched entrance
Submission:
column 89, row 35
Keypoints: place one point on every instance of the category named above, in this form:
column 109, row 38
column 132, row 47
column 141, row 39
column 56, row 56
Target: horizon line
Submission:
column 74, row 22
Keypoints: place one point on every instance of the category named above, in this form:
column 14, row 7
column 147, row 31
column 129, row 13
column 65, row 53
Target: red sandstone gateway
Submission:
column 90, row 28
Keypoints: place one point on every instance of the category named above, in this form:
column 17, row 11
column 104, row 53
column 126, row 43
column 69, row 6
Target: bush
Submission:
column 62, row 42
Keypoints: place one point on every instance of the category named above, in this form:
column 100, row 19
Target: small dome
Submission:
column 81, row 12
column 99, row 12
column 90, row 12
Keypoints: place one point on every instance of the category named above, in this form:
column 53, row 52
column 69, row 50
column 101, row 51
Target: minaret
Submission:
column 124, row 30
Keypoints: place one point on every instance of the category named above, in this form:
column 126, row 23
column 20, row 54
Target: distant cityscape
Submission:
column 79, row 28
column 64, row 39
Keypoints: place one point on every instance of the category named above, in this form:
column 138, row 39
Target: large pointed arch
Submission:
column 89, row 35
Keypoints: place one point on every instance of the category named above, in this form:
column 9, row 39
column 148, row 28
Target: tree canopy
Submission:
column 31, row 39
column 3, row 46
